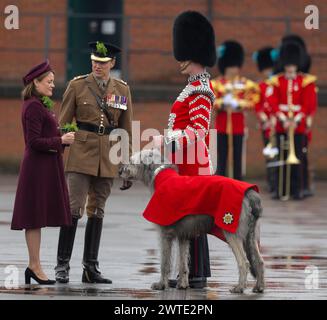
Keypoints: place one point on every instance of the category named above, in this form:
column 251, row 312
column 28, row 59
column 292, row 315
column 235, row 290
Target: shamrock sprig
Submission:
column 70, row 127
column 47, row 102
column 101, row 48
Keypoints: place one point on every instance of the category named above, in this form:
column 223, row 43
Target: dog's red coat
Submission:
column 177, row 196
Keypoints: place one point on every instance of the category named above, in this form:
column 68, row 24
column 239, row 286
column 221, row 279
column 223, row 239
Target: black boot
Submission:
column 65, row 248
column 91, row 273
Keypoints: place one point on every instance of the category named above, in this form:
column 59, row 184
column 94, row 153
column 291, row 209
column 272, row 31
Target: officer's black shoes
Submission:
column 194, row 282
column 92, row 275
column 62, row 273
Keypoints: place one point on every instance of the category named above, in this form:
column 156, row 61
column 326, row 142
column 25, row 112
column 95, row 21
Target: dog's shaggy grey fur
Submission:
column 144, row 166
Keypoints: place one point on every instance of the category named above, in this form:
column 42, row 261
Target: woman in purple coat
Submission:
column 42, row 195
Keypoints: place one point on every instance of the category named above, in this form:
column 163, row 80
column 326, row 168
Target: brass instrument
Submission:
column 230, row 155
column 281, row 166
column 291, row 157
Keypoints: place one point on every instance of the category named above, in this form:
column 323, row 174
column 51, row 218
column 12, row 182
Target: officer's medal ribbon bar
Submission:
column 118, row 102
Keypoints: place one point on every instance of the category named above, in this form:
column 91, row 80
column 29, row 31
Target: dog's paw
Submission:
column 182, row 285
column 237, row 289
column 258, row 289
column 159, row 286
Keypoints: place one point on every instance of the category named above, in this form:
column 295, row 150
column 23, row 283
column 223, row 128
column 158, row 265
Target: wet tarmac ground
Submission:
column 293, row 244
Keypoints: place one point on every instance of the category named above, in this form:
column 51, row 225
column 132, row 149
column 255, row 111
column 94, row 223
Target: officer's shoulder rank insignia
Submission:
column 228, row 218
column 80, row 77
column 122, row 81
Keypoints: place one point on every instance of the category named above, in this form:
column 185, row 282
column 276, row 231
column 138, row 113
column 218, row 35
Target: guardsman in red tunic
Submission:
column 305, row 68
column 265, row 59
column 187, row 137
column 188, row 126
column 292, row 100
column 234, row 94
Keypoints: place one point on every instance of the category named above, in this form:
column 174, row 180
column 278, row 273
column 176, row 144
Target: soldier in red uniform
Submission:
column 292, row 100
column 265, row 59
column 305, row 68
column 187, row 137
column 234, row 94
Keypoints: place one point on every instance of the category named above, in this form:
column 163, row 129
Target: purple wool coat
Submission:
column 42, row 196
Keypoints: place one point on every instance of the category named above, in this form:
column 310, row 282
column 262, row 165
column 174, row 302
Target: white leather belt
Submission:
column 285, row 107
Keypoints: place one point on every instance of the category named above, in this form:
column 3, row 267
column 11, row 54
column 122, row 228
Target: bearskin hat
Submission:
column 194, row 39
column 265, row 58
column 230, row 54
column 306, row 64
column 294, row 38
column 291, row 53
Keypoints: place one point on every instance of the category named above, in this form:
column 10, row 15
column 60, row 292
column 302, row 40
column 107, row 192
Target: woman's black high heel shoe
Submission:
column 30, row 274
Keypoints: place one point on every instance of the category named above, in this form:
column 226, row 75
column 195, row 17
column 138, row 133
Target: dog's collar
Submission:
column 158, row 170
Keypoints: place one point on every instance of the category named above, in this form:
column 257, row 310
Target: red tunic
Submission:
column 245, row 91
column 177, row 196
column 266, row 90
column 188, row 127
column 303, row 100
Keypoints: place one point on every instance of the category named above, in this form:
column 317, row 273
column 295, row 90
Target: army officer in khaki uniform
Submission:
column 99, row 104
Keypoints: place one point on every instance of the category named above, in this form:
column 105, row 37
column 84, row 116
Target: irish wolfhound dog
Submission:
column 144, row 166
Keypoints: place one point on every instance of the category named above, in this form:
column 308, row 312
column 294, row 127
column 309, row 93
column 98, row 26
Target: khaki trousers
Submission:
column 96, row 188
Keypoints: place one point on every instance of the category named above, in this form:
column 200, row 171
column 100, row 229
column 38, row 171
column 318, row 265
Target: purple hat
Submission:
column 36, row 72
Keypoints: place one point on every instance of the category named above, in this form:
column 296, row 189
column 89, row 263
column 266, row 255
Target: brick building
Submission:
column 147, row 62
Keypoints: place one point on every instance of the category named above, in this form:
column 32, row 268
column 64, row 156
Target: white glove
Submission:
column 298, row 117
column 229, row 100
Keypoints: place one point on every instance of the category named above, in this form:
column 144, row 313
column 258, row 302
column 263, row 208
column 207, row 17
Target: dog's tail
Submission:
column 251, row 241
column 255, row 203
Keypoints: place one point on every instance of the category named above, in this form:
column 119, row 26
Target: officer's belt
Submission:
column 100, row 130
